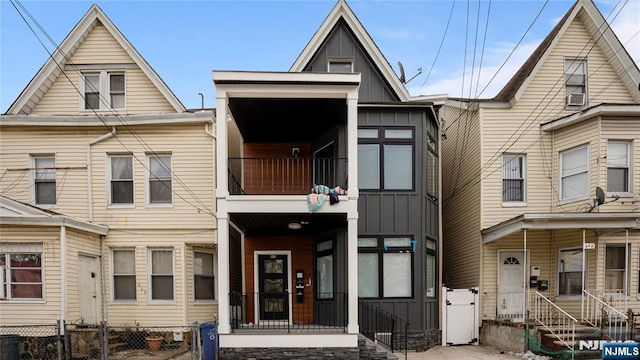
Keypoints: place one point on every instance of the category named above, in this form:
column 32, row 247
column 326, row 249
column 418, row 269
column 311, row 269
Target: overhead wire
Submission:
column 113, row 111
column 444, row 36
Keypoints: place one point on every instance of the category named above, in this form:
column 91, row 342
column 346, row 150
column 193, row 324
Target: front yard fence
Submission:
column 61, row 341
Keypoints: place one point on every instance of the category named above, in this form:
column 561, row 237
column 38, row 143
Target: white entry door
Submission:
column 88, row 288
column 510, row 296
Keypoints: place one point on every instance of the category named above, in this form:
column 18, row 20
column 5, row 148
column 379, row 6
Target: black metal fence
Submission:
column 382, row 327
column 61, row 341
column 289, row 312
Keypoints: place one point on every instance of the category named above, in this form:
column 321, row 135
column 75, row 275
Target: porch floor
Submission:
column 294, row 329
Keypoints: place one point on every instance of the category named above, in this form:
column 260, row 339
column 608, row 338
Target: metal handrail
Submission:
column 555, row 320
column 599, row 314
column 382, row 326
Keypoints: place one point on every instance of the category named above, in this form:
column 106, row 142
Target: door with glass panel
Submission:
column 273, row 287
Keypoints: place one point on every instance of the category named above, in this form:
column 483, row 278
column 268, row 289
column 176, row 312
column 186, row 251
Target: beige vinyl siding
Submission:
column 100, row 47
column 67, row 144
column 586, row 132
column 79, row 243
column 628, row 129
column 461, row 226
column 199, row 311
column 193, row 181
column 48, row 310
column 142, row 310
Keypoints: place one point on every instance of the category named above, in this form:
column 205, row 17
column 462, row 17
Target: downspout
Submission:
column 89, row 190
column 626, row 267
column 584, row 236
column 104, row 279
column 63, row 273
column 208, row 131
column 184, row 283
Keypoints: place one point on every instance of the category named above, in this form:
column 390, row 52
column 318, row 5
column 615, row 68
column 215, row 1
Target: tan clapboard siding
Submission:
column 142, row 310
column 613, row 128
column 142, row 96
column 63, row 97
column 100, row 47
column 198, row 311
column 67, row 144
column 461, row 226
column 193, row 181
column 47, row 312
column 78, row 243
column 586, row 132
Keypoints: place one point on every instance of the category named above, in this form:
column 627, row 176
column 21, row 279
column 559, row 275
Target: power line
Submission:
column 444, row 36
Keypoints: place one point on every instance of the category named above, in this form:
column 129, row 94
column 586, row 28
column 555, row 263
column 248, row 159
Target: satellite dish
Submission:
column 599, row 196
column 402, row 77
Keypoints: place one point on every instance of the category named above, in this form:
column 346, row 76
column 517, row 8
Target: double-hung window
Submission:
column 124, row 274
column 161, row 274
column 44, row 179
column 385, row 158
column 574, row 173
column 203, row 274
column 575, row 74
column 121, row 182
column 385, row 267
column 618, row 166
column 570, row 275
column 104, row 90
column 21, row 271
column 513, row 178
column 160, row 184
column 615, row 267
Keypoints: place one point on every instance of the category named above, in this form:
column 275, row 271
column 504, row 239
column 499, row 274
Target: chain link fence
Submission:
column 102, row 341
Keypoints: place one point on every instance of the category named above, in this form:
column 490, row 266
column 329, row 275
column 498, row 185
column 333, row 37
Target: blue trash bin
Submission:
column 209, row 333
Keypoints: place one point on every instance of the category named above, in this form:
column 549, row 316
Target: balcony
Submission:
column 284, row 175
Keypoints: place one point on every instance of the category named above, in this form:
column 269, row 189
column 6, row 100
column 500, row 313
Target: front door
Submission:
column 273, row 287
column 88, row 288
column 510, row 296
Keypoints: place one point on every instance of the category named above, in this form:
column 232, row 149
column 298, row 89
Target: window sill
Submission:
column 21, row 301
column 123, row 302
column 46, row 206
column 568, row 297
column 612, row 195
column 514, row 204
column 571, row 200
column 161, row 302
column 161, row 205
column 205, row 302
column 121, row 206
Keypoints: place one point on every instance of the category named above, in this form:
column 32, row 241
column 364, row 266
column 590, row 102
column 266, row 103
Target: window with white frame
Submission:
column 513, row 178
column 615, row 267
column 385, row 158
column 385, row 267
column 104, row 90
column 44, row 179
column 203, row 274
column 161, row 274
column 341, row 65
column 160, row 184
column 575, row 73
column 618, row 163
column 570, row 274
column 124, row 274
column 21, row 271
column 574, row 173
column 121, row 182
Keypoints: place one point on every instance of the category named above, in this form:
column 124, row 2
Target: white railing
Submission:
column 555, row 320
column 616, row 298
column 612, row 322
column 504, row 305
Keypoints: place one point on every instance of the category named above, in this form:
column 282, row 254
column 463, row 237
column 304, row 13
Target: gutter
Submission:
column 89, row 190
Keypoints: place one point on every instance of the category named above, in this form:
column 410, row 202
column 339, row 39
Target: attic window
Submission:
column 104, row 90
column 575, row 82
column 341, row 66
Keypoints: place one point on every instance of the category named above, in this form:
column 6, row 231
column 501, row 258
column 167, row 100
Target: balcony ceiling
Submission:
column 286, row 120
column 277, row 224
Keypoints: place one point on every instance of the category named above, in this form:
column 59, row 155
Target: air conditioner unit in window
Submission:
column 575, row 99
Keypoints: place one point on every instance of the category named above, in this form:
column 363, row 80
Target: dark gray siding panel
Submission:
column 342, row 44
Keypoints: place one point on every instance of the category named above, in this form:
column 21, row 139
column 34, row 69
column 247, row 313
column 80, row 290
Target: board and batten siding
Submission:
column 101, row 48
column 46, row 311
column 79, row 243
column 461, row 198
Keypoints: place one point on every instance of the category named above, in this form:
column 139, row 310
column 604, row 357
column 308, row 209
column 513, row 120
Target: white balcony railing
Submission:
column 555, row 320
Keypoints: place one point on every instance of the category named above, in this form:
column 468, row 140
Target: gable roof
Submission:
column 600, row 32
column 342, row 11
column 52, row 68
column 13, row 212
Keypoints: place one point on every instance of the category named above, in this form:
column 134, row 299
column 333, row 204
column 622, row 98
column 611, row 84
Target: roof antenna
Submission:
column 202, row 98
column 600, row 198
column 402, row 76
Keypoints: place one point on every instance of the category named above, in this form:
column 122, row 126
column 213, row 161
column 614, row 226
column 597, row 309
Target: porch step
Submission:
column 374, row 351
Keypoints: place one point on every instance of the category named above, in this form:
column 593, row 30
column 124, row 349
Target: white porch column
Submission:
column 222, row 188
column 352, row 144
column 224, row 323
column 352, row 278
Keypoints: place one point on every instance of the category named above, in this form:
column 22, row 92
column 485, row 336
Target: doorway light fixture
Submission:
column 295, row 226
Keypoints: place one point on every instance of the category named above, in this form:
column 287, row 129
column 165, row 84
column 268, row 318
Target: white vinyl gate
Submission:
column 460, row 316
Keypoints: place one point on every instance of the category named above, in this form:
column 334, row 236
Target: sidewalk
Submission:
column 463, row 352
